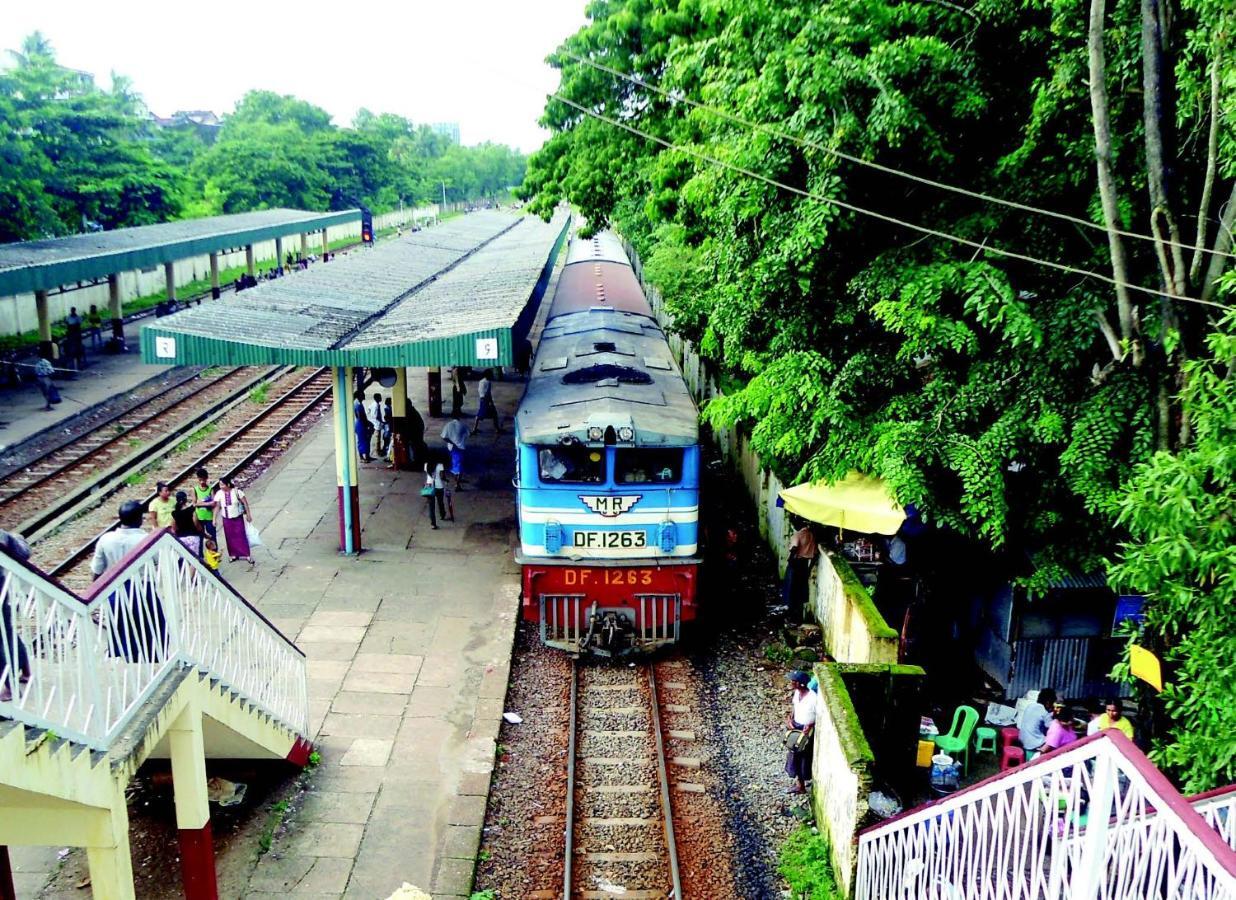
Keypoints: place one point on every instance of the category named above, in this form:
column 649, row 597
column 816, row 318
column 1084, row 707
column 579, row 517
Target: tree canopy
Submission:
column 758, row 153
column 76, row 156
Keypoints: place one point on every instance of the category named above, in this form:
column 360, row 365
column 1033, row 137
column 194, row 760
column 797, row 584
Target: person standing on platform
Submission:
column 204, row 496
column 364, row 429
column 185, row 524
column 138, row 628
column 388, row 415
column 485, row 404
column 232, row 507
column 162, row 507
column 74, row 345
column 435, row 492
column 94, row 326
column 455, row 433
column 43, row 372
column 459, row 390
column 373, row 412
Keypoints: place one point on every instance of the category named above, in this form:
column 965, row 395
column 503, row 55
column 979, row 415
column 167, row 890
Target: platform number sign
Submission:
column 165, row 347
column 486, row 348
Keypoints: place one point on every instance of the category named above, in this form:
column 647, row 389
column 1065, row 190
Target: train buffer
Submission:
column 159, row 659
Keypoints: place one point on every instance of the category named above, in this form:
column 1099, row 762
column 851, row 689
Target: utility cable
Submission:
column 841, row 204
column 880, row 167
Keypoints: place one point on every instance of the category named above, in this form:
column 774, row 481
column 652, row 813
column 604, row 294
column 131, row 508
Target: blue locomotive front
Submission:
column 608, row 468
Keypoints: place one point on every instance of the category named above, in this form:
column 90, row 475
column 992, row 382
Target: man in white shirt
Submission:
column 114, row 546
column 1034, row 720
column 137, row 629
column 455, row 433
column 485, row 404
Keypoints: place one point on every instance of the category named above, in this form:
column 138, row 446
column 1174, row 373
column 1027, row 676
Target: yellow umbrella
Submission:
column 856, row 503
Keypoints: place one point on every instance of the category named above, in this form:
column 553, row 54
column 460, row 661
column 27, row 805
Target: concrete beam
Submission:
column 214, row 276
column 114, row 306
column 46, row 347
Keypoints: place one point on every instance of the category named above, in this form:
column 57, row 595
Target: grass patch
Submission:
column 779, row 654
column 197, row 437
column 805, row 865
column 259, row 393
column 137, row 479
column 273, row 822
column 483, row 895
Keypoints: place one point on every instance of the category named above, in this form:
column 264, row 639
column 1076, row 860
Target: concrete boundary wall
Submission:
column 842, row 774
column 853, row 629
column 17, row 313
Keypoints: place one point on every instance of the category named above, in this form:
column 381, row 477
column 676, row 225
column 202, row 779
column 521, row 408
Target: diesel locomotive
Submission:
column 608, row 467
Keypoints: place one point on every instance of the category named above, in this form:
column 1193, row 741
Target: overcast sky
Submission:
column 476, row 62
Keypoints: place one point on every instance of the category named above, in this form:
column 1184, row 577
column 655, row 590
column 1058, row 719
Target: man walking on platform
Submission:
column 485, row 404
column 455, row 433
column 74, row 343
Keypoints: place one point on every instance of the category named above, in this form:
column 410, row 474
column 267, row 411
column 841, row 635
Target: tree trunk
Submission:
column 1107, row 184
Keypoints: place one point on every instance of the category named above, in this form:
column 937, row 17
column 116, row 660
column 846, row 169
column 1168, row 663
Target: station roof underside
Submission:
column 460, row 293
column 49, row 264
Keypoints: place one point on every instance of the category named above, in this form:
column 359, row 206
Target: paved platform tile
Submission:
column 462, row 842
column 361, row 726
column 334, row 633
column 367, row 752
column 369, row 704
column 338, row 807
column 467, row 811
column 300, row 875
column 454, row 876
column 323, row 839
column 380, row 682
column 394, row 663
column 340, row 650
column 340, row 618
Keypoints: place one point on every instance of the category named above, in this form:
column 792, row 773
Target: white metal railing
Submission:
column 1218, row 808
column 82, row 666
column 1093, row 820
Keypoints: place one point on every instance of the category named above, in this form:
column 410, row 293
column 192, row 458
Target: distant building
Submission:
column 447, row 129
column 205, row 122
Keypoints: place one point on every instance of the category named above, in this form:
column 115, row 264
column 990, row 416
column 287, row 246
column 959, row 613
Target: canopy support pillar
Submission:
column 46, row 347
column 250, row 262
column 347, row 461
column 325, row 245
column 401, row 453
column 214, row 276
column 278, row 253
column 169, row 281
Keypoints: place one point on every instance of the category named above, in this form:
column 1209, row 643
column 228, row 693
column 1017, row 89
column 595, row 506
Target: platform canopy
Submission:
column 856, row 503
column 49, row 264
column 460, row 293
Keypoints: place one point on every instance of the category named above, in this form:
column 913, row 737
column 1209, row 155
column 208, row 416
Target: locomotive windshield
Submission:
column 571, row 465
column 648, row 466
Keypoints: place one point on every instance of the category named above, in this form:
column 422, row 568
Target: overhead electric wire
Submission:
column 888, row 170
column 884, row 217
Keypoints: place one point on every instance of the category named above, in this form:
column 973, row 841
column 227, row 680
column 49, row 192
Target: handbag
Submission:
column 427, row 490
column 795, row 741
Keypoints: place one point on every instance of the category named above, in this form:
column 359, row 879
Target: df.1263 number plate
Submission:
column 609, row 540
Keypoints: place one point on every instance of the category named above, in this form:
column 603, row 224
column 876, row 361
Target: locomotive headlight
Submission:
column 595, row 433
column 626, row 433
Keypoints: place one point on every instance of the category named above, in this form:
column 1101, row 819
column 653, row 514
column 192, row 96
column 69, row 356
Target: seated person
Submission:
column 1035, row 720
column 1060, row 733
column 1113, row 718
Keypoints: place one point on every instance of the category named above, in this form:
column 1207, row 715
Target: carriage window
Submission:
column 648, row 466
column 571, row 465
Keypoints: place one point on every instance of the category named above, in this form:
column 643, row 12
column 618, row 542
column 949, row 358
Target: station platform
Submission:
column 107, row 377
column 409, row 648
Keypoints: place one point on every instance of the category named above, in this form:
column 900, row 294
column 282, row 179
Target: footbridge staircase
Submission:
column 1093, row 821
column 161, row 658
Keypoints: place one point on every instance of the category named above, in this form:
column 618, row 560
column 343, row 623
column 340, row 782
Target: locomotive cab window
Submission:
column 646, row 466
column 571, row 465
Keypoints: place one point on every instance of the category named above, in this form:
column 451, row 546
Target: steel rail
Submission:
column 667, row 808
column 76, row 556
column 570, row 791
column 110, row 420
column 66, row 501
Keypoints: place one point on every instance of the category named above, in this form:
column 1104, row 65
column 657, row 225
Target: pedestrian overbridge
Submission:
column 161, row 658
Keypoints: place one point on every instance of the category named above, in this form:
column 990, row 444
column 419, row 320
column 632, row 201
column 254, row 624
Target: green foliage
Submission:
column 259, row 392
column 483, row 895
column 72, row 154
column 1179, row 512
column 805, row 865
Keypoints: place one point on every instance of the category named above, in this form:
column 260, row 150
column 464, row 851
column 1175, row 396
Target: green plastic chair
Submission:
column 957, row 742
column 985, row 740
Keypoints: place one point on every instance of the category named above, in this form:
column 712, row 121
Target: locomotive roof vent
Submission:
column 605, row 347
column 606, row 372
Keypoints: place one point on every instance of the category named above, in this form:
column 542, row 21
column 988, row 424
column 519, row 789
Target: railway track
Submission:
column 619, row 821
column 60, row 479
column 239, row 447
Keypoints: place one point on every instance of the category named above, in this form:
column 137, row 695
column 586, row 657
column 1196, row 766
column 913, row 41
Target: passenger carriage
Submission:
column 608, row 463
